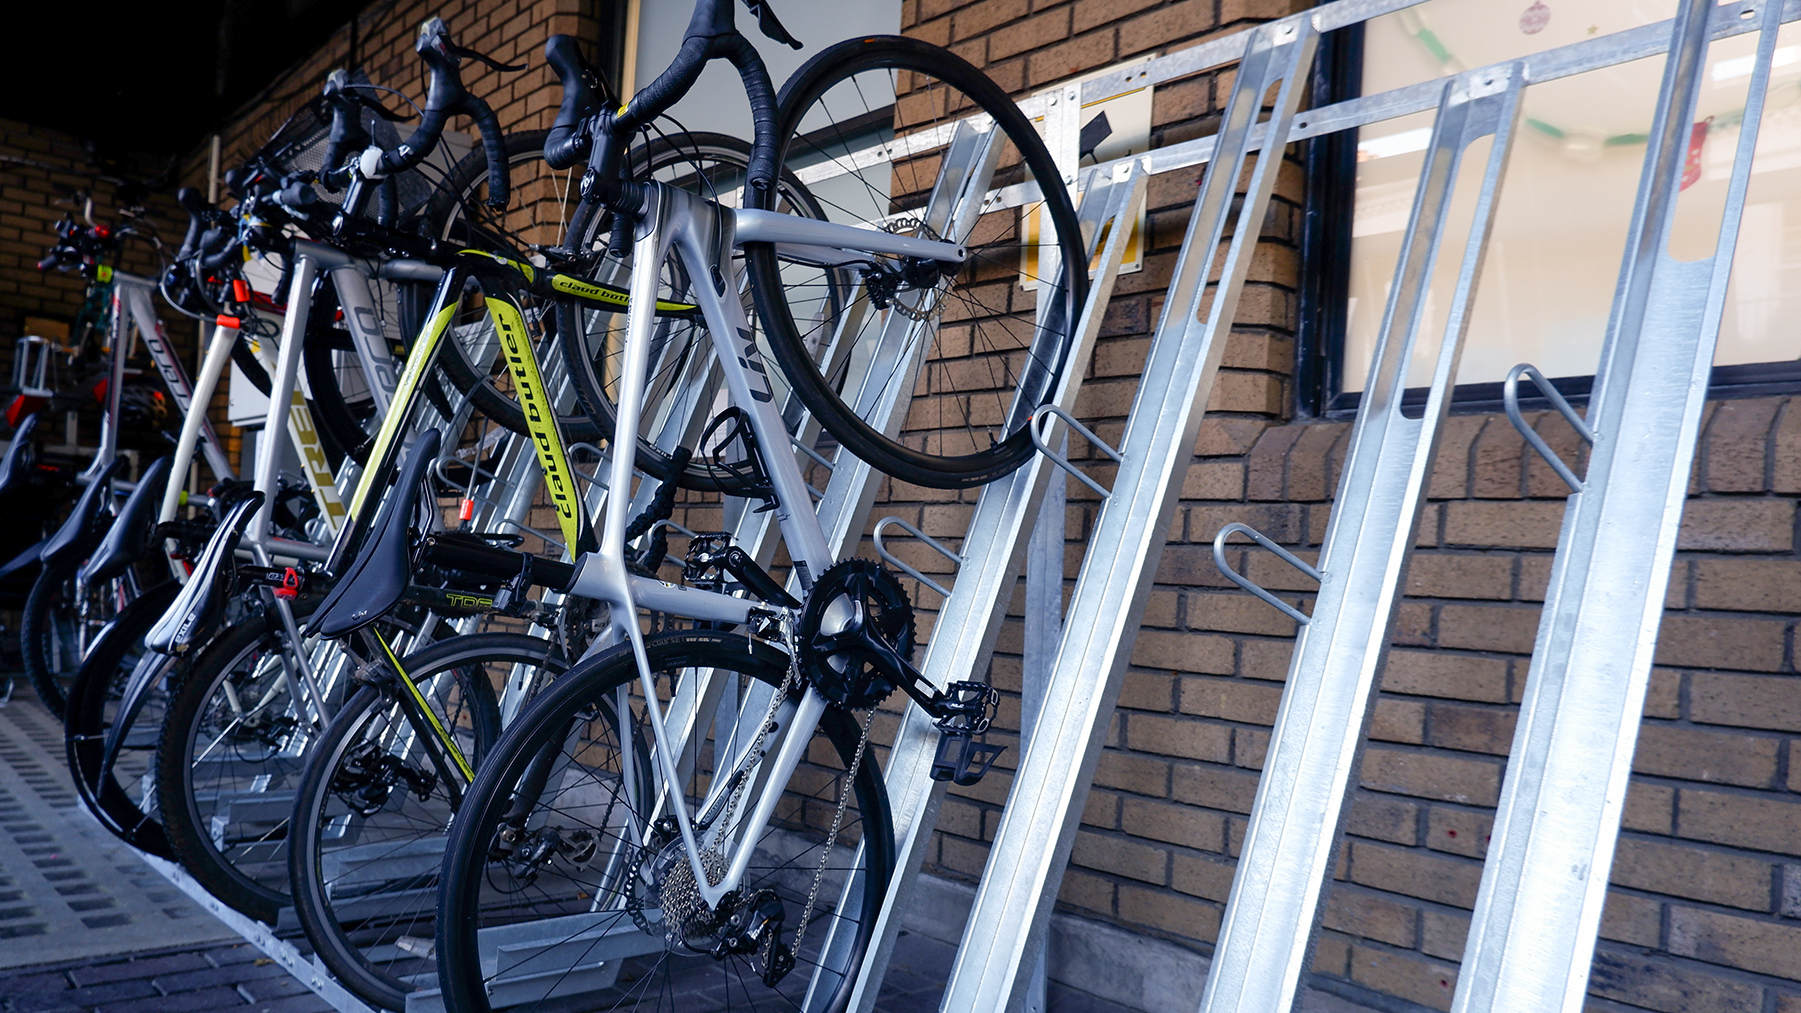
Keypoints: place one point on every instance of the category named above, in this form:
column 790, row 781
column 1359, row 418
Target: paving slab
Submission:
column 69, row 890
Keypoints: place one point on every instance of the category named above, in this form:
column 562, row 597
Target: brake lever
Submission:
column 770, row 26
column 463, row 51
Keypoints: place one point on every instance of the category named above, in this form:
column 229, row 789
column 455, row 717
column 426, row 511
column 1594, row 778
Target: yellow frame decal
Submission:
column 540, row 417
column 437, row 726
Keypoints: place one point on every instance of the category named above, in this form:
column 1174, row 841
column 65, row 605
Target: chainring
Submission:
column 855, row 619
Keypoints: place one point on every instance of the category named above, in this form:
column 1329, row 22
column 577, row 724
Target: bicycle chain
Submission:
column 831, row 840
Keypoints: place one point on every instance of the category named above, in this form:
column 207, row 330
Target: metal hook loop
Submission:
column 1219, row 560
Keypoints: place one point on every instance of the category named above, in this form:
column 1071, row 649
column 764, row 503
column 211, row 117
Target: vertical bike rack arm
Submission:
column 1019, row 886
column 1316, row 743
column 969, row 621
column 1538, row 910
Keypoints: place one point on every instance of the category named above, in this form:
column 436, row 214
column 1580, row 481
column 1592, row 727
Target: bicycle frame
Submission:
column 703, row 234
column 132, row 304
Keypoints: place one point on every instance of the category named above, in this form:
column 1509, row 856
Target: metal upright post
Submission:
column 1316, row 742
column 1532, row 936
column 969, row 620
column 1031, row 849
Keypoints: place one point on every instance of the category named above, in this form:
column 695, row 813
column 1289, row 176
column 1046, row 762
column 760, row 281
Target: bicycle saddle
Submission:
column 18, row 457
column 87, row 523
column 130, row 536
column 200, row 607
column 374, row 581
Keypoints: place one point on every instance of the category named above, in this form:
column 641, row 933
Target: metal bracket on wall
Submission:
column 1538, row 910
column 969, row 620
column 1317, row 740
column 1013, row 904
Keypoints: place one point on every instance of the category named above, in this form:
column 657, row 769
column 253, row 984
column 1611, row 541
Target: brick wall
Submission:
column 513, row 31
column 1707, row 880
column 38, row 169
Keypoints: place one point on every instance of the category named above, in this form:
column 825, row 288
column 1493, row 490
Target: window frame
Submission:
column 1330, row 163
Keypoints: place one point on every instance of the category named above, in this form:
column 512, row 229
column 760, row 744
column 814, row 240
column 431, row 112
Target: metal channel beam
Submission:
column 1316, row 743
column 1532, row 937
column 969, row 621
column 1031, row 848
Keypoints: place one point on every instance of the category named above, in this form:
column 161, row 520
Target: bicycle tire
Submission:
column 527, row 221
column 362, row 938
column 50, row 635
column 680, row 383
column 123, row 802
column 966, row 424
column 253, row 880
column 478, row 888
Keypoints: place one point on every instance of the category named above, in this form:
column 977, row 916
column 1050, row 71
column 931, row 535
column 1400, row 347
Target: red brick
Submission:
column 1733, row 450
column 1627, row 918
column 1121, row 857
column 1472, row 729
column 1748, row 585
column 1203, row 877
column 1698, row 873
column 1161, row 909
column 1524, row 525
column 1424, row 774
column 1463, row 575
column 1412, row 873
column 1231, row 790
column 1231, row 699
column 1707, row 641
column 1701, row 755
column 1383, row 817
column 1651, row 983
column 1167, row 736
column 1764, row 947
column 1738, row 525
column 1404, row 975
column 1173, row 823
column 1508, row 628
column 1763, row 822
column 1459, row 831
column 1371, row 916
column 1459, row 677
column 1746, row 701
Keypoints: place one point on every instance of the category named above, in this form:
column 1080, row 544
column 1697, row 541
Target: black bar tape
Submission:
column 761, row 93
column 566, row 145
column 196, row 207
column 500, row 179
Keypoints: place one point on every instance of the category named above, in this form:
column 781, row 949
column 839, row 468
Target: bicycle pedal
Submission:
column 970, row 763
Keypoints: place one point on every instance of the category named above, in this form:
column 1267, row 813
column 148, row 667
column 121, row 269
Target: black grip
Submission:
column 500, row 174
column 761, row 93
column 197, row 208
column 565, row 145
column 670, row 85
column 443, row 97
column 459, row 551
column 347, row 134
column 219, row 248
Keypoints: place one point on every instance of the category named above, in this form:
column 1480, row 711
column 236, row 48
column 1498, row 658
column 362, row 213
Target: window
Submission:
column 1554, row 254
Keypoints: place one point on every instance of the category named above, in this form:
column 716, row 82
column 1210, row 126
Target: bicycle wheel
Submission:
column 124, row 798
column 551, row 832
column 988, row 361
column 373, row 810
column 533, row 221
column 684, row 387
column 226, row 767
column 59, row 625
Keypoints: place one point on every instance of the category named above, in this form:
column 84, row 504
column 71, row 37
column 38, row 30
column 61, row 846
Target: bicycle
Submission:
column 560, row 874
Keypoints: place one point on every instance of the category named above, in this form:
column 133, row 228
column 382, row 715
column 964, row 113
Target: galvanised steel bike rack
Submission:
column 1539, row 908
